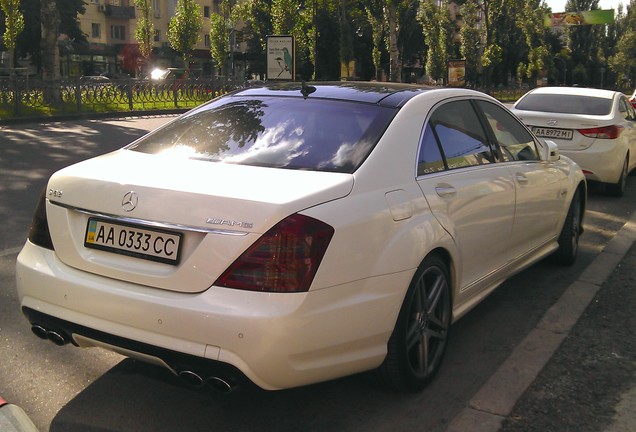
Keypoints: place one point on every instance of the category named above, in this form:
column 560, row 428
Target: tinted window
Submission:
column 569, row 104
column 515, row 142
column 290, row 133
column 430, row 159
column 626, row 108
column 460, row 135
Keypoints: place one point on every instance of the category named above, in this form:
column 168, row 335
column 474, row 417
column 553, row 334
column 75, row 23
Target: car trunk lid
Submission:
column 208, row 213
column 564, row 129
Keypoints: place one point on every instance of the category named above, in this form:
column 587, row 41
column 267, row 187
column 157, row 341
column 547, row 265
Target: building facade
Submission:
column 110, row 28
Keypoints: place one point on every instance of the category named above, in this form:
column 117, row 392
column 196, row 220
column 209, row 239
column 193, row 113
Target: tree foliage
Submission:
column 373, row 10
column 470, row 37
column 184, row 28
column 346, row 39
column 435, row 24
column 145, row 32
column 257, row 19
column 221, row 25
column 384, row 37
column 14, row 25
column 624, row 61
column 29, row 43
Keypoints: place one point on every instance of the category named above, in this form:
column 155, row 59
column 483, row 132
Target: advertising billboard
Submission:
column 281, row 58
column 566, row 19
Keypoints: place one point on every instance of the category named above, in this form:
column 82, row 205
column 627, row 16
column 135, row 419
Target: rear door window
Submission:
column 454, row 134
column 514, row 140
column 626, row 108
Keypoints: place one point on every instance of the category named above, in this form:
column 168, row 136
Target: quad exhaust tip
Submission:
column 52, row 335
column 221, row 385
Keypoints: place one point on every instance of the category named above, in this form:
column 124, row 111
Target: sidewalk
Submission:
column 576, row 371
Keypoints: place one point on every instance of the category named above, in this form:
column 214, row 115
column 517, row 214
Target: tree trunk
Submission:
column 50, row 19
column 394, row 52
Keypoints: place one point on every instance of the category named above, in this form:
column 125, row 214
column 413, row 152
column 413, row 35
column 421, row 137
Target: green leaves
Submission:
column 185, row 27
column 218, row 40
column 144, row 34
column 14, row 22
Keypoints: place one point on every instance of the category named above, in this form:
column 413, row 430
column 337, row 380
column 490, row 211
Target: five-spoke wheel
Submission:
column 418, row 342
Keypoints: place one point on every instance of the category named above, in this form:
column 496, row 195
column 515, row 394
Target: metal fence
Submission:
column 25, row 97
column 28, row 97
column 505, row 94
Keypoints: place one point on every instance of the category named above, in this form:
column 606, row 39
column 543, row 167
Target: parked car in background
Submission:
column 632, row 99
column 292, row 234
column 94, row 81
column 595, row 128
column 116, row 75
column 168, row 74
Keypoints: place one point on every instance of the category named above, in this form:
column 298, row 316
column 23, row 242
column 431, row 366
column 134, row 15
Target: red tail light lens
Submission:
column 284, row 259
column 39, row 233
column 605, row 132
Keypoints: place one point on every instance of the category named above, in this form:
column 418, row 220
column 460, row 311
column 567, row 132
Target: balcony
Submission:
column 121, row 12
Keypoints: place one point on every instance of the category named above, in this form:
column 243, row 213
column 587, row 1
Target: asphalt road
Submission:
column 70, row 389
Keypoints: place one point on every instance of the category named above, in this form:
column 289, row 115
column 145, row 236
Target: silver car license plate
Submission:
column 132, row 240
column 565, row 134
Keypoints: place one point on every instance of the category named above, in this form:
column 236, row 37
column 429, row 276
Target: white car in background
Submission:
column 595, row 128
column 294, row 233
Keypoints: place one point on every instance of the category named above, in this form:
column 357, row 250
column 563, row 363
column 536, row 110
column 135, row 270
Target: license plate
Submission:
column 565, row 134
column 132, row 240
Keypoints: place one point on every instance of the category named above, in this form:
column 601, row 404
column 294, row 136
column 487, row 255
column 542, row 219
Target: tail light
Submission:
column 605, row 132
column 39, row 233
column 284, row 259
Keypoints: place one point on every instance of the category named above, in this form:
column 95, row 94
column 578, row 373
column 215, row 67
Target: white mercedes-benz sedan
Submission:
column 294, row 233
column 595, row 128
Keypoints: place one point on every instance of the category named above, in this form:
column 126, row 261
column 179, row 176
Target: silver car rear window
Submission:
column 569, row 104
column 293, row 133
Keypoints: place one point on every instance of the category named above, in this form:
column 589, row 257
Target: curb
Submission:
column 495, row 400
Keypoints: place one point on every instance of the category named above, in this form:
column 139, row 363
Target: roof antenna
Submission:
column 306, row 90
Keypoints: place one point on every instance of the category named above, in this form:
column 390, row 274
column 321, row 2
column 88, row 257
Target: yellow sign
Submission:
column 456, row 73
column 347, row 71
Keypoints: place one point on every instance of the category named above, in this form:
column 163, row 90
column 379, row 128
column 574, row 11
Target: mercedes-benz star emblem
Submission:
column 129, row 202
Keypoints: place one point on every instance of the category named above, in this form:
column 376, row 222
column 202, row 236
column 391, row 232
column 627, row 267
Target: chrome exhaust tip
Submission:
column 191, row 378
column 39, row 331
column 221, row 385
column 56, row 338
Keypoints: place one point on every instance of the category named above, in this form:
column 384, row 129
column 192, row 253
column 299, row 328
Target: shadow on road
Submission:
column 29, row 154
column 137, row 397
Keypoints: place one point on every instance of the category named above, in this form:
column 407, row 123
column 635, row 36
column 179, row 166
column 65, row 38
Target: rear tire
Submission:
column 569, row 237
column 618, row 189
column 416, row 347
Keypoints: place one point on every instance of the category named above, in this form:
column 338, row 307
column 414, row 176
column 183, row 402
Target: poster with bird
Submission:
column 280, row 58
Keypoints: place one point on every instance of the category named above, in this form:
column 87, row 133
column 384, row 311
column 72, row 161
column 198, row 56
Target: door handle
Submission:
column 521, row 179
column 445, row 191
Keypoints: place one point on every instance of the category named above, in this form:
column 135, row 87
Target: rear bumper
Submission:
column 275, row 340
column 601, row 162
column 176, row 361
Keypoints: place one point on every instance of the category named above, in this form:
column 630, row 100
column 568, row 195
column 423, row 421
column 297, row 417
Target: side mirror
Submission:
column 550, row 152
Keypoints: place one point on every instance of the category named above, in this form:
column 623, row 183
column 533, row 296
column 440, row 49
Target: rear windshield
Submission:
column 311, row 134
column 569, row 104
